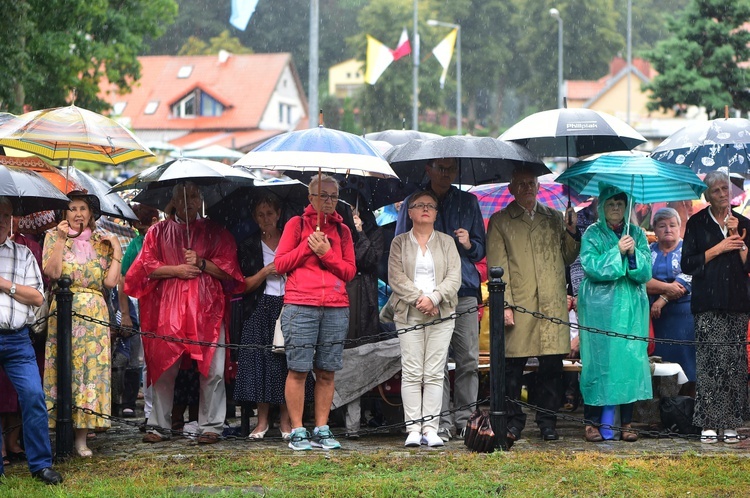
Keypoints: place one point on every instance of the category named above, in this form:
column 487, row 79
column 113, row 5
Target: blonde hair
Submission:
column 313, row 186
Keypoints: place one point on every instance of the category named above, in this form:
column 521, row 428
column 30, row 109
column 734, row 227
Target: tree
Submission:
column 196, row 46
column 701, row 63
column 649, row 21
column 59, row 50
column 590, row 40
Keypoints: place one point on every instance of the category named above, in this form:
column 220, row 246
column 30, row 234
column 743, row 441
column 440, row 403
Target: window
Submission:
column 118, row 107
column 151, row 107
column 195, row 104
column 285, row 113
column 185, row 72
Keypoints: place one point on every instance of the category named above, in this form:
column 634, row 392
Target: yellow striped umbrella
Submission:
column 72, row 133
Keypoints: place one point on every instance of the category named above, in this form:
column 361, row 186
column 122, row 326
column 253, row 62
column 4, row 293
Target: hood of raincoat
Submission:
column 607, row 191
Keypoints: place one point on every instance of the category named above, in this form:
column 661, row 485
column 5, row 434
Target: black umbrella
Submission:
column 573, row 133
column 30, row 192
column 480, row 159
column 398, row 137
column 376, row 192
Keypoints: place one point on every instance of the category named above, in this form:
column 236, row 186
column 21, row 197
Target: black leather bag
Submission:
column 479, row 435
column 677, row 414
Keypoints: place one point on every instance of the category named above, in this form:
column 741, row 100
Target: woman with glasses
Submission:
column 616, row 262
column 317, row 255
column 424, row 271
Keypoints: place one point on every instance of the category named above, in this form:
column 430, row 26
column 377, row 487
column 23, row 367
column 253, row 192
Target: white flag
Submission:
column 443, row 52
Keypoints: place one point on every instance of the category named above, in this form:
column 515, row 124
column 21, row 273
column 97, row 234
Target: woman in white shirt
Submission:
column 424, row 271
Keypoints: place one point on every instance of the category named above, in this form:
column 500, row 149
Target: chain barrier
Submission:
column 359, row 433
column 677, row 342
column 129, row 331
column 660, row 434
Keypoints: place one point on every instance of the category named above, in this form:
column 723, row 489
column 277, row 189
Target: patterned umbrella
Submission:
column 495, row 196
column 398, row 137
column 708, row 146
column 72, row 133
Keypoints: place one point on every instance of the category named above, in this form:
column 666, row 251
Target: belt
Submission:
column 11, row 331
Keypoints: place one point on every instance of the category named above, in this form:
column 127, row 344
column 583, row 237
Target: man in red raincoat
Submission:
column 180, row 278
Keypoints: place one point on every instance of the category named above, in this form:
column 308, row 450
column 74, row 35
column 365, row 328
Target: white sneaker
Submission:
column 730, row 436
column 413, row 440
column 709, row 436
column 432, row 439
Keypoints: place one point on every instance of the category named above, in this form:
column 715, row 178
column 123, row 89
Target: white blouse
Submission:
column 275, row 284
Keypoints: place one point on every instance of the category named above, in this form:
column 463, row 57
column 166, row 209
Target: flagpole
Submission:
column 313, row 63
column 415, row 86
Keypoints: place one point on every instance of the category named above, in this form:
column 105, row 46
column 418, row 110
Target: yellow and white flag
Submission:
column 443, row 52
column 379, row 57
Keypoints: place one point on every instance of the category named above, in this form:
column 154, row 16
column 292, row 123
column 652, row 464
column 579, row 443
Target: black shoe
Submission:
column 48, row 476
column 549, row 434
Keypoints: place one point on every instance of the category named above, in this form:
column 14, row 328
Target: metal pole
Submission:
column 458, row 79
column 313, row 64
column 560, row 93
column 64, row 424
column 498, row 414
column 415, row 75
column 630, row 54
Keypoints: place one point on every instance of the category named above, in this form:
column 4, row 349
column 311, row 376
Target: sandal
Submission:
column 629, row 435
column 6, row 461
column 83, row 451
column 592, row 434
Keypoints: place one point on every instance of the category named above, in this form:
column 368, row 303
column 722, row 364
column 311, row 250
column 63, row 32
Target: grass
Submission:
column 393, row 474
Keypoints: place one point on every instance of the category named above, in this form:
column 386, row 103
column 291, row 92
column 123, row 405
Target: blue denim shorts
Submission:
column 310, row 330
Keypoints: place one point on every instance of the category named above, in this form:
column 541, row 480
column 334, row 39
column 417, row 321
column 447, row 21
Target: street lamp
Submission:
column 457, row 27
column 560, row 97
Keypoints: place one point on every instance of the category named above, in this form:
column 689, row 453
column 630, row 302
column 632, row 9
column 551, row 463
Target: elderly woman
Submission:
column 317, row 254
column 714, row 252
column 262, row 373
column 424, row 271
column 616, row 264
column 92, row 261
column 669, row 294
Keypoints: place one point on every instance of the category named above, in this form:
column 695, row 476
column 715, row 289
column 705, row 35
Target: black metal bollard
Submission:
column 498, row 414
column 64, row 430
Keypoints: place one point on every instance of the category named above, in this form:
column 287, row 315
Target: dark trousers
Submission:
column 546, row 388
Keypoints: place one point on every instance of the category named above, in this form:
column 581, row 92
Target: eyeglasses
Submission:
column 326, row 197
column 422, row 206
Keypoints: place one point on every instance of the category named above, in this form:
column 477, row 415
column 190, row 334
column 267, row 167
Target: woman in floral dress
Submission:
column 92, row 261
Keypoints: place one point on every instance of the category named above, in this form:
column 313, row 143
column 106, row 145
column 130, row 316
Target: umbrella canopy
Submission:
column 646, row 179
column 72, row 133
column 480, row 159
column 216, row 152
column 376, row 192
column 319, row 150
column 495, row 196
column 29, row 192
column 708, row 146
column 398, row 137
column 111, row 204
column 217, row 180
column 235, row 209
column 573, row 133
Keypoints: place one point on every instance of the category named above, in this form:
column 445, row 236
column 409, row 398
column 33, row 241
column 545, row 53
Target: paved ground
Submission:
column 124, row 441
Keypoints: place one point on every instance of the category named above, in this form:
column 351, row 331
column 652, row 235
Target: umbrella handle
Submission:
column 80, row 231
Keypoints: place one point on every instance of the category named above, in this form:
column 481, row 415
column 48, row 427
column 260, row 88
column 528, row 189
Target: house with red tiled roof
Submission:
column 609, row 94
column 235, row 101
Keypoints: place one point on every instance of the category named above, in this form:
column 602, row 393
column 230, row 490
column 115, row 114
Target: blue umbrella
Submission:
column 646, row 179
column 319, row 150
column 709, row 145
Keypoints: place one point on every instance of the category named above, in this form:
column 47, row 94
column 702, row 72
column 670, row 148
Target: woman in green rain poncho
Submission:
column 612, row 297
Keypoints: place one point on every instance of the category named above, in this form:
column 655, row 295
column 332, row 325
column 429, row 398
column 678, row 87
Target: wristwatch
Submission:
column 12, row 290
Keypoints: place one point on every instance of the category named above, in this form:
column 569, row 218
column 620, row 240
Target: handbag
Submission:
column 479, row 435
column 278, row 338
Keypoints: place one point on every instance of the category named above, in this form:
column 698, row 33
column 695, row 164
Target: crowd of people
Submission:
column 315, row 279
